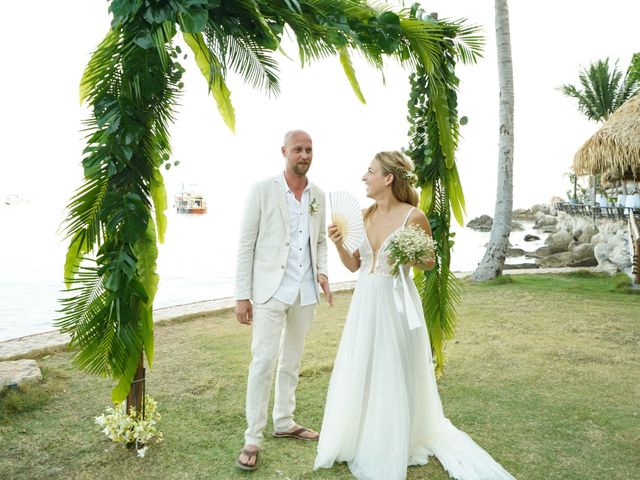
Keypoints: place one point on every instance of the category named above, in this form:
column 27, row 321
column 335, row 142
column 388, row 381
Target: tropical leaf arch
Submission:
column 133, row 83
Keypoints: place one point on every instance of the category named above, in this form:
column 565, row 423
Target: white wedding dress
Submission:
column 383, row 412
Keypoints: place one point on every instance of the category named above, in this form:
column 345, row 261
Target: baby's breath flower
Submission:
column 132, row 428
column 409, row 245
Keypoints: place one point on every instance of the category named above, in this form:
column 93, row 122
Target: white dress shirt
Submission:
column 298, row 274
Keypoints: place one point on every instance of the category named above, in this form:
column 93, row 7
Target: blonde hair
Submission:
column 401, row 167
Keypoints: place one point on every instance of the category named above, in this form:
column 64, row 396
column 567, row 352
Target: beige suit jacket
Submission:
column 263, row 246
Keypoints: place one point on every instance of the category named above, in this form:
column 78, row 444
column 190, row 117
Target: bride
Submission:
column 383, row 412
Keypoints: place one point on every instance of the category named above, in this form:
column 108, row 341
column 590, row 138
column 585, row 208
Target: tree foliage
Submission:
column 133, row 84
column 603, row 88
column 433, row 139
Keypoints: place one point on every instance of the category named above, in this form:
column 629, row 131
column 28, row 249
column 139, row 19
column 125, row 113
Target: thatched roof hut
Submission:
column 614, row 150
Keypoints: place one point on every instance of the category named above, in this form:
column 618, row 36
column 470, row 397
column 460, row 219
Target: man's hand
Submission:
column 324, row 283
column 244, row 312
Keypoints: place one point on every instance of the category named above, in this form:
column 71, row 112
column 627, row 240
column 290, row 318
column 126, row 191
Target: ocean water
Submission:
column 196, row 262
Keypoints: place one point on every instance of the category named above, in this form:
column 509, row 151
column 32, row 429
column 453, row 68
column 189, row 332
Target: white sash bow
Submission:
column 404, row 301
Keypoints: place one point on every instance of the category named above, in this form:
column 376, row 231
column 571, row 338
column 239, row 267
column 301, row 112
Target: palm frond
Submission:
column 210, row 67
column 242, row 54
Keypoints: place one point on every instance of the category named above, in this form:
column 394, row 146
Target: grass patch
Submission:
column 31, row 396
column 501, row 280
column 543, row 373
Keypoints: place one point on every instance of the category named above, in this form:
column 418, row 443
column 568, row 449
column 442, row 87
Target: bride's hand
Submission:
column 334, row 234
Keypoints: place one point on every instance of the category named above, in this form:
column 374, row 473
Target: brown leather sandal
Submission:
column 251, row 454
column 297, row 433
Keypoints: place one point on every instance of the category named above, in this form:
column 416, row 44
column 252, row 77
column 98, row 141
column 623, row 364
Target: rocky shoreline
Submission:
column 572, row 241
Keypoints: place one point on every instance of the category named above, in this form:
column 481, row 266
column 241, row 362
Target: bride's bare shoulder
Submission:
column 417, row 217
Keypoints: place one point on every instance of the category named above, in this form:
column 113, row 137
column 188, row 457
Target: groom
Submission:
column 282, row 258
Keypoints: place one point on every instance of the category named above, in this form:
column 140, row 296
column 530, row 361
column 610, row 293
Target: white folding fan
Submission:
column 347, row 216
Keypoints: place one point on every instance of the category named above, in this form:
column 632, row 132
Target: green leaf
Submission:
column 194, row 20
column 77, row 249
column 146, row 251
column 89, row 78
column 350, row 72
column 426, row 197
column 212, row 71
column 293, row 5
column 456, row 195
column 157, row 14
column 144, row 40
column 125, row 214
column 441, row 111
column 159, row 197
column 122, row 388
column 123, row 9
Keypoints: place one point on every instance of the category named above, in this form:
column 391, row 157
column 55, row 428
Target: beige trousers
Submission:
column 278, row 340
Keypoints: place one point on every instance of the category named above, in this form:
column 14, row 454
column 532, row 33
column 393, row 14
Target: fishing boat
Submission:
column 190, row 202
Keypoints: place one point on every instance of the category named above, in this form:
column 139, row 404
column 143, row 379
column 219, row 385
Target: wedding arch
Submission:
column 132, row 83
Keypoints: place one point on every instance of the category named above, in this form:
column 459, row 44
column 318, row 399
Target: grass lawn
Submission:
column 544, row 373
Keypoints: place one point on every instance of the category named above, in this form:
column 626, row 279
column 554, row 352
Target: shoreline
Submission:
column 41, row 343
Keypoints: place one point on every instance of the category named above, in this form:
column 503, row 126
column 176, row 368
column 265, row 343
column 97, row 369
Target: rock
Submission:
column 530, row 238
column 573, row 244
column 584, row 250
column 523, row 214
column 539, row 253
column 602, row 252
column 515, row 252
column 559, row 241
column 598, row 238
column 586, row 233
column 540, row 208
column 621, row 256
column 587, row 262
column 483, row 223
column 518, row 266
column 581, row 256
column 606, row 266
column 561, row 259
column 16, row 372
column 542, row 220
column 549, row 229
column 516, row 227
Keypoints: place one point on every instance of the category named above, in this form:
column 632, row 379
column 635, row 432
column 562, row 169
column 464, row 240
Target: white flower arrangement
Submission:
column 131, row 429
column 314, row 206
column 410, row 245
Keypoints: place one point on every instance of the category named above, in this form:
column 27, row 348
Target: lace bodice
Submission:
column 377, row 262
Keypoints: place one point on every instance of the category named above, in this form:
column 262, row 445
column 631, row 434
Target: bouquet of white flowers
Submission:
column 410, row 245
column 133, row 428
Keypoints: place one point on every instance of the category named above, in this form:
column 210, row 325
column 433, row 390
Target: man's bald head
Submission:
column 293, row 134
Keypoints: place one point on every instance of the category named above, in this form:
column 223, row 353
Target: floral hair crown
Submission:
column 410, row 177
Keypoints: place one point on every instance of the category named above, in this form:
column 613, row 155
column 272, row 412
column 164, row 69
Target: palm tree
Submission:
column 133, row 83
column 492, row 262
column 603, row 90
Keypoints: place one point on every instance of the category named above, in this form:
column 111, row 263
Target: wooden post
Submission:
column 637, row 262
column 634, row 236
column 135, row 399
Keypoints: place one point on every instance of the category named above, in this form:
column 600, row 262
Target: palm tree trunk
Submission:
column 494, row 257
column 135, row 399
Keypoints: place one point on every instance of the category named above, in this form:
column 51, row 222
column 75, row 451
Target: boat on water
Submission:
column 190, row 202
column 14, row 199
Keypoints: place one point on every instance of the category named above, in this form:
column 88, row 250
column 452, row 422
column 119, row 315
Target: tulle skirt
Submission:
column 383, row 412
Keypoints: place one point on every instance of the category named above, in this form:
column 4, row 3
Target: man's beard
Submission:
column 301, row 169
